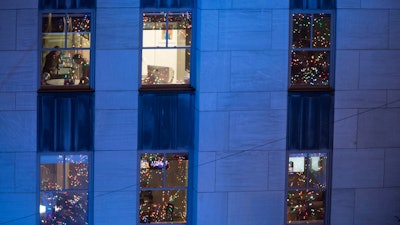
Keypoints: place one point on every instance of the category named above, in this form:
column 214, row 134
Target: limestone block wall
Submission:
column 242, row 56
column 366, row 188
column 18, row 111
column 116, row 118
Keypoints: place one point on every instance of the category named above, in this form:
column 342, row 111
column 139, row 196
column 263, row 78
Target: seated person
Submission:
column 51, row 65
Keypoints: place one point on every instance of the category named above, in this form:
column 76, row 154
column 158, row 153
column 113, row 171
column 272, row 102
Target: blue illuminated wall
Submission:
column 240, row 113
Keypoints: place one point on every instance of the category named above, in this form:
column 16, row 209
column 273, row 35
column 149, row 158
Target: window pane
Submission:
column 51, row 172
column 310, row 68
column 53, row 30
column 77, row 173
column 180, row 25
column 151, row 170
column 306, row 206
column 317, row 170
column 297, row 171
column 177, row 172
column 163, row 206
column 165, row 66
column 78, row 31
column 63, row 208
column 301, row 30
column 78, row 40
column 167, row 29
column 321, row 31
column 155, row 30
column 65, row 67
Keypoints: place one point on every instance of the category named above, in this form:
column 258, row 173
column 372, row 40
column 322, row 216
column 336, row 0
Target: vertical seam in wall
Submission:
column 354, row 205
column 359, row 70
column 16, row 30
column 14, row 171
column 227, row 208
column 383, row 169
column 388, row 35
column 357, row 122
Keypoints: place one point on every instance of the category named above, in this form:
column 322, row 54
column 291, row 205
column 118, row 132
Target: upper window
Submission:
column 311, row 48
column 165, row 139
column 166, row 43
column 66, row 49
column 166, row 48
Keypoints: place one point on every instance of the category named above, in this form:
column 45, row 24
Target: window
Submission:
column 309, row 146
column 166, row 43
column 64, row 185
column 307, row 188
column 66, row 44
column 65, row 140
column 311, row 50
column 166, row 138
column 163, row 187
column 310, row 112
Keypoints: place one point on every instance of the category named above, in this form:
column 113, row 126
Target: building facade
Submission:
column 200, row 112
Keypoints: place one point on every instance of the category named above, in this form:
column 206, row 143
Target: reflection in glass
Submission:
column 163, row 184
column 76, row 167
column 306, row 205
column 51, row 172
column 310, row 68
column 151, row 170
column 160, row 206
column 177, row 173
column 321, row 31
column 297, row 171
column 155, row 30
column 63, row 208
column 66, row 30
column 311, row 40
column 301, row 30
column 167, row 29
column 64, row 174
column 317, row 170
column 307, row 187
column 307, row 170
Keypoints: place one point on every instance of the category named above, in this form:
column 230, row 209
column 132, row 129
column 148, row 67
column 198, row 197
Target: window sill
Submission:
column 310, row 88
column 166, row 87
column 77, row 88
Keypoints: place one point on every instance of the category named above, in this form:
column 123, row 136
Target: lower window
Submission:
column 64, row 186
column 163, row 187
column 307, row 188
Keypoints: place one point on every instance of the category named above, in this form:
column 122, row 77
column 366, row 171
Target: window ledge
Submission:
column 310, row 88
column 77, row 88
column 168, row 87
